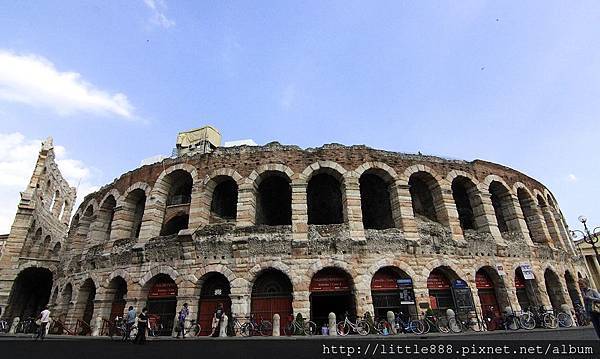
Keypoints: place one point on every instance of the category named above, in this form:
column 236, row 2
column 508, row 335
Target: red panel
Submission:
column 482, row 280
column 488, row 302
column 206, row 312
column 163, row 290
column 330, row 283
column 519, row 280
column 265, row 308
column 437, row 280
column 384, row 281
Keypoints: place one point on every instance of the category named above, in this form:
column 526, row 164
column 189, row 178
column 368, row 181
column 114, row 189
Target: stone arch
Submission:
column 161, row 269
column 467, row 199
column 380, row 205
column 118, row 273
column 138, row 185
column 425, row 188
column 272, row 191
column 390, row 262
column 330, row 262
column 222, row 205
column 326, row 192
column 102, row 226
column 554, row 287
column 500, row 288
column 502, row 201
column 133, row 205
column 531, row 213
column 451, row 264
column 258, row 268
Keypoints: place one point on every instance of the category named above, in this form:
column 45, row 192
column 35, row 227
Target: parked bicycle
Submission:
column 581, row 316
column 27, row 326
column 565, row 320
column 431, row 321
column 538, row 317
column 346, row 326
column 466, row 321
column 193, row 330
column 4, row 327
column 255, row 327
column 297, row 327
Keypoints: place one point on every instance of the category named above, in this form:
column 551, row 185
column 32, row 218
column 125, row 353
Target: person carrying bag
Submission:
column 591, row 299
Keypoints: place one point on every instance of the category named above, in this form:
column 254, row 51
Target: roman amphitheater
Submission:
column 281, row 229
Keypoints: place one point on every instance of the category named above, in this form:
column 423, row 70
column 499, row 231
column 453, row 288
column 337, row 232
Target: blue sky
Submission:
column 113, row 82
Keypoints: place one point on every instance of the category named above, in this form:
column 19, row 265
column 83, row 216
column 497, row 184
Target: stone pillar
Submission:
column 449, row 207
column 332, row 325
column 408, row 223
column 246, row 205
column 197, row 212
column 551, row 227
column 223, row 326
column 153, row 217
column 391, row 318
column 562, row 232
column 299, row 211
column 485, row 217
column 301, row 303
column 515, row 219
column 121, row 224
column 352, row 208
column 538, row 224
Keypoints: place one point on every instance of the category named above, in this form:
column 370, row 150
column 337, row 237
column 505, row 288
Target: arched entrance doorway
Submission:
column 487, row 282
column 554, row 289
column 162, row 302
column 85, row 304
column 272, row 293
column 30, row 292
column 448, row 291
column 392, row 289
column 527, row 290
column 572, row 289
column 116, row 293
column 215, row 290
column 331, row 290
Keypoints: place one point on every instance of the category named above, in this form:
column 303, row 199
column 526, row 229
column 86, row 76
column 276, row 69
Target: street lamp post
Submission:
column 590, row 237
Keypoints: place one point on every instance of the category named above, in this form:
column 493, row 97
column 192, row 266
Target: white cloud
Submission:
column 158, row 8
column 571, row 178
column 35, row 81
column 17, row 160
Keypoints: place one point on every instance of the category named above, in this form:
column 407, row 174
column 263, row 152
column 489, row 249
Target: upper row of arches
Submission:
column 324, row 193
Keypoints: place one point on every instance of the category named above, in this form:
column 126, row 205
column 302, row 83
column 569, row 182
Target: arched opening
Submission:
column 162, row 302
column 44, row 247
column 65, row 301
column 549, row 220
column 501, row 201
column 85, row 302
column 554, row 289
column 55, row 199
column 117, row 294
column 527, row 207
column 63, row 207
column 375, row 201
column 223, row 206
column 463, row 192
column 135, row 203
column 331, row 290
column 448, row 291
column 274, row 200
column 324, row 200
column 527, row 290
column 179, row 194
column 272, row 293
column 491, row 292
column 105, row 218
column 425, row 195
column 215, row 289
column 30, row 292
column 392, row 289
column 175, row 224
column 572, row 289
column 34, row 245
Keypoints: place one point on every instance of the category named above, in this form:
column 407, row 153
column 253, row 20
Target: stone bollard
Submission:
column 452, row 320
column 332, row 325
column 508, row 310
column 223, row 326
column 391, row 318
column 13, row 327
column 566, row 309
column 276, row 325
column 96, row 326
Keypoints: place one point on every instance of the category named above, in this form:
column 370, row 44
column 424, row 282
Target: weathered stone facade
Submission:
column 421, row 213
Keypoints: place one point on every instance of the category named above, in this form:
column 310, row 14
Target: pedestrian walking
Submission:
column 129, row 322
column 140, row 338
column 44, row 320
column 591, row 299
column 183, row 313
column 217, row 320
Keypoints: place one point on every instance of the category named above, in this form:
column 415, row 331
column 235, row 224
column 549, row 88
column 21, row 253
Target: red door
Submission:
column 206, row 312
column 265, row 308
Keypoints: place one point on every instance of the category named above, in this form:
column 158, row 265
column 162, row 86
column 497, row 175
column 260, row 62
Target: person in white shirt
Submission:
column 44, row 319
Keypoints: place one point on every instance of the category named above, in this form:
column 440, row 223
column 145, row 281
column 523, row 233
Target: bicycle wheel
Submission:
column 310, row 328
column 564, row 320
column 289, row 329
column 195, row 330
column 512, row 323
column 442, row 325
column 266, row 328
column 477, row 325
column 343, row 329
column 133, row 333
column 362, row 327
column 382, row 327
column 550, row 321
column 527, row 321
column 455, row 325
column 426, row 327
column 246, row 329
column 417, row 326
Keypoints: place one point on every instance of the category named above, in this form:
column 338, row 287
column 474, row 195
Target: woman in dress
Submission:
column 142, row 327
